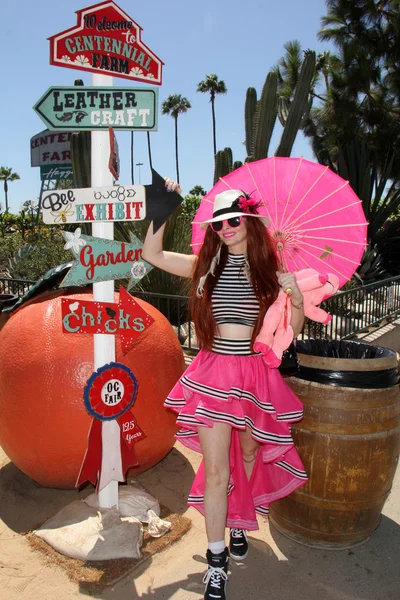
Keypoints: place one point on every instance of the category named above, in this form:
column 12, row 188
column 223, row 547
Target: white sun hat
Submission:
column 233, row 203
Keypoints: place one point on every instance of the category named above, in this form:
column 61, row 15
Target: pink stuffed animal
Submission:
column 276, row 334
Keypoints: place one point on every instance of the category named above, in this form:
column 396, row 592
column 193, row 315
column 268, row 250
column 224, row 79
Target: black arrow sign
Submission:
column 160, row 204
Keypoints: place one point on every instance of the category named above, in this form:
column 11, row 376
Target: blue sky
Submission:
column 238, row 40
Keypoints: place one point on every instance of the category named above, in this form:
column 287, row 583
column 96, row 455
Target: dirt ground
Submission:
column 277, row 568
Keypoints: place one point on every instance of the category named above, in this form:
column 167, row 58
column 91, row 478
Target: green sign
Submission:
column 55, row 173
column 99, row 259
column 93, row 108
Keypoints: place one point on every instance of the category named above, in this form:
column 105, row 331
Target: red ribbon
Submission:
column 108, row 395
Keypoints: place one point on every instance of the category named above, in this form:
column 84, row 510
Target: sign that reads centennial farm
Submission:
column 93, row 108
column 51, row 148
column 85, row 205
column 106, row 40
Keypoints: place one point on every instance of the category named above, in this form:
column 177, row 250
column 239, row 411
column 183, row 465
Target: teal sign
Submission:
column 92, row 108
column 99, row 259
column 56, row 172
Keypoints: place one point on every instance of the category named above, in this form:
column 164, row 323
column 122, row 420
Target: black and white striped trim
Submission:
column 291, row 416
column 225, row 394
column 195, row 499
column 292, row 470
column 186, row 433
column 262, row 510
column 175, row 402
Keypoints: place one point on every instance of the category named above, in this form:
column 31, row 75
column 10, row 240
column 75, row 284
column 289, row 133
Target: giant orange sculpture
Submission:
column 43, row 371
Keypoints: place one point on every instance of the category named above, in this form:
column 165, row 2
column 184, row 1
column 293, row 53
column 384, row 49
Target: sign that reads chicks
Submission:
column 99, row 259
column 126, row 318
column 107, row 41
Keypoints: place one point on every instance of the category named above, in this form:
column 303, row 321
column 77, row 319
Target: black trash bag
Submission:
column 373, row 379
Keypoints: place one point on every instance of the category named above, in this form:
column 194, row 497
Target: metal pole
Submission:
column 104, row 345
column 139, row 165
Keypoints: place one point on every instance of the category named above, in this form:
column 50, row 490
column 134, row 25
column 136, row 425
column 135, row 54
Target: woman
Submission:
column 232, row 408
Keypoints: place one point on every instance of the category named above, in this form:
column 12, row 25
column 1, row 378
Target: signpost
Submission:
column 106, row 41
column 92, row 108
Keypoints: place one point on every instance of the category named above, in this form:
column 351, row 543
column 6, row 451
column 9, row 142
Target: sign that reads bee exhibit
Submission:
column 94, row 108
column 86, row 205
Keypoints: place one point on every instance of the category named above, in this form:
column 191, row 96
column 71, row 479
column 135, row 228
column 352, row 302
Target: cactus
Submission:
column 260, row 116
column 299, row 105
column 266, row 117
column 249, row 114
column 81, row 155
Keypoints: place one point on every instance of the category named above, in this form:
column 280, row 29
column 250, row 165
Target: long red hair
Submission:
column 263, row 265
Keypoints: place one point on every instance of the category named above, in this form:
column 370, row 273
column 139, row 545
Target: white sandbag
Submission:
column 132, row 502
column 80, row 531
column 157, row 527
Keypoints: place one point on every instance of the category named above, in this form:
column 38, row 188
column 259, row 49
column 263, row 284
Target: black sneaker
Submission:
column 217, row 575
column 238, row 544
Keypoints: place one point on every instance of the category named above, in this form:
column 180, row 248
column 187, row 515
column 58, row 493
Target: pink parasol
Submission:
column 317, row 221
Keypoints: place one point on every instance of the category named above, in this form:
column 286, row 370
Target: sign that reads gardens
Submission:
column 99, row 259
column 106, row 40
column 93, row 108
column 117, row 203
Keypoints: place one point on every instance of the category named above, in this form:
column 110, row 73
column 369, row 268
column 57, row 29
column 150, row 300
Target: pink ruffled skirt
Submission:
column 242, row 392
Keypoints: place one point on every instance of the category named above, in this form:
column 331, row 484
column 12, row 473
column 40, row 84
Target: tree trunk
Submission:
column 6, row 192
column 213, row 123
column 176, row 149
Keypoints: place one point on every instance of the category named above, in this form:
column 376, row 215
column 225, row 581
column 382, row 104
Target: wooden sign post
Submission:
column 107, row 42
column 104, row 345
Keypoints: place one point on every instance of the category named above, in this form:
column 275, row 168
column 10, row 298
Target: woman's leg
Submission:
column 215, row 442
column 249, row 451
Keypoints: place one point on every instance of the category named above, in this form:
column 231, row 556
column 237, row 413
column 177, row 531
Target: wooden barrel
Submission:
column 349, row 441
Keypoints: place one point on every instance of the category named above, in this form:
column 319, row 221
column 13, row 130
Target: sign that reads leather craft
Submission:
column 106, row 40
column 51, row 148
column 94, row 108
column 85, row 205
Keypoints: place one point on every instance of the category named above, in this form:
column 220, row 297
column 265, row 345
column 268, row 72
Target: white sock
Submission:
column 217, row 547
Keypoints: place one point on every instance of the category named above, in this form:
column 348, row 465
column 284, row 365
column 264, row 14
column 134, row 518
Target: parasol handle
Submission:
column 279, row 247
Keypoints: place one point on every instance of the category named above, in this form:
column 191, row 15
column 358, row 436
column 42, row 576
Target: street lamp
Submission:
column 139, row 165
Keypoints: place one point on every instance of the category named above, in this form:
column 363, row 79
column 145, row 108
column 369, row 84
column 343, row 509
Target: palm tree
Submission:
column 6, row 175
column 198, row 191
column 211, row 85
column 174, row 105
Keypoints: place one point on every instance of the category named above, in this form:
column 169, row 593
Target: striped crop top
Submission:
column 233, row 298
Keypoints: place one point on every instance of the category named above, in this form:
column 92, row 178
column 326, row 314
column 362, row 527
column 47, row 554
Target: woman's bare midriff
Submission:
column 234, row 331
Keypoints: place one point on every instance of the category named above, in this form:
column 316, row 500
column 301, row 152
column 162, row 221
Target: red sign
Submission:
column 126, row 319
column 106, row 40
column 113, row 162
